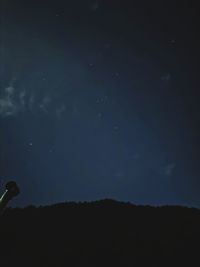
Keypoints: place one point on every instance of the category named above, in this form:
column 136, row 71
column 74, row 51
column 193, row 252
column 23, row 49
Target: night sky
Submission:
column 100, row 99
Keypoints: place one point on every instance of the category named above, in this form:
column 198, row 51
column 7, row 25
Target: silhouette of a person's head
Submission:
column 12, row 190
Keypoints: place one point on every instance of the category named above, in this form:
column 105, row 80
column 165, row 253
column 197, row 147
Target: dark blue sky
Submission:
column 99, row 99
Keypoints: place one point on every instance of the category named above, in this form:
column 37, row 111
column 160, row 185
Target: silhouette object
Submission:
column 12, row 190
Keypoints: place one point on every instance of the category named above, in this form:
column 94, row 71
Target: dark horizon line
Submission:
column 105, row 200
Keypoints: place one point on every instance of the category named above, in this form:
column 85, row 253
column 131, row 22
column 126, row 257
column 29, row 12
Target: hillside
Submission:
column 101, row 233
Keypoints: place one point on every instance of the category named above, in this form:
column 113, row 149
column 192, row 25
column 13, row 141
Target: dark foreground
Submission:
column 103, row 233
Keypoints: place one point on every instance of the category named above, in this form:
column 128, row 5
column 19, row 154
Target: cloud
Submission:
column 8, row 106
column 9, row 91
column 17, row 101
column 44, row 105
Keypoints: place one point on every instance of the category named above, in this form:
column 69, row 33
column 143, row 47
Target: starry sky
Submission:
column 100, row 99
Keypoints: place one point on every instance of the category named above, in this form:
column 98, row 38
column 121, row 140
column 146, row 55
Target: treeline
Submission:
column 101, row 233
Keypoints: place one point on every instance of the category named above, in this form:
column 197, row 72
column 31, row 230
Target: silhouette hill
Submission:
column 100, row 233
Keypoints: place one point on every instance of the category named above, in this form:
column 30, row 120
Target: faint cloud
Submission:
column 95, row 5
column 8, row 107
column 107, row 46
column 9, row 91
column 45, row 103
column 168, row 170
column 136, row 156
column 60, row 111
column 172, row 41
column 166, row 77
column 119, row 175
column 116, row 128
column 16, row 101
column 31, row 101
column 99, row 114
column 22, row 96
column 115, row 74
column 75, row 109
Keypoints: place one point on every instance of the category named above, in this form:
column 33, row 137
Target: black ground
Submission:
column 102, row 233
